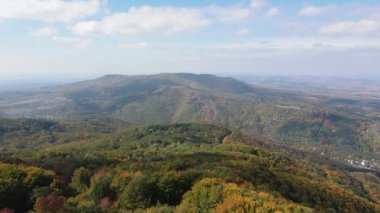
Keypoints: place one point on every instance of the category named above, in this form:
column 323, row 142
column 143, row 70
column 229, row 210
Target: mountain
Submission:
column 194, row 167
column 341, row 129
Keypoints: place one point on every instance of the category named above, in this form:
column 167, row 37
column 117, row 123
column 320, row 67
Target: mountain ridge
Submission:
column 287, row 118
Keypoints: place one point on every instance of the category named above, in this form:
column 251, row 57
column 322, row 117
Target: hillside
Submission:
column 288, row 118
column 178, row 168
column 36, row 134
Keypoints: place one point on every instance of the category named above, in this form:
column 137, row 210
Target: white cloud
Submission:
column 138, row 45
column 72, row 41
column 146, row 19
column 243, row 32
column 43, row 32
column 301, row 44
column 257, row 4
column 229, row 14
column 253, row 45
column 246, row 46
column 315, row 10
column 373, row 12
column 48, row 10
column 363, row 27
column 273, row 11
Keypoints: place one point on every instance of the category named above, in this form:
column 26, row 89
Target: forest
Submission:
column 190, row 167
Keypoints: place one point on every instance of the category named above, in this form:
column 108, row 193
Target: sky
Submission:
column 80, row 39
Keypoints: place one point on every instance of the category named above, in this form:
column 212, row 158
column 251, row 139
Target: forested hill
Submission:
column 176, row 168
column 293, row 119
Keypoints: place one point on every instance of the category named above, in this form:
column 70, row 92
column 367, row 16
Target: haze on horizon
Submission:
column 59, row 40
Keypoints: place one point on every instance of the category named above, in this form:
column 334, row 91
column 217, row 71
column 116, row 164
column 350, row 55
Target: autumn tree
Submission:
column 50, row 203
column 81, row 179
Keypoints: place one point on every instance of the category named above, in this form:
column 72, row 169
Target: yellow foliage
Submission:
column 228, row 140
column 231, row 189
column 210, row 181
column 237, row 204
column 264, row 196
column 34, row 174
column 121, row 179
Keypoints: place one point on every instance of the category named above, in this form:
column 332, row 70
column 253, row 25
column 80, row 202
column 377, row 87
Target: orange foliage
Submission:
column 105, row 202
column 6, row 210
column 237, row 204
column 50, row 203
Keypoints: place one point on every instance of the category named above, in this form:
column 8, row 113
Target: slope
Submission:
column 288, row 118
column 198, row 167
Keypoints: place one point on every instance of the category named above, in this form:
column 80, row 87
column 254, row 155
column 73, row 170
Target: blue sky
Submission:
column 79, row 39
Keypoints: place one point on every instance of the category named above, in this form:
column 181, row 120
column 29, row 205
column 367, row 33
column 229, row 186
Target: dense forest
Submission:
column 194, row 167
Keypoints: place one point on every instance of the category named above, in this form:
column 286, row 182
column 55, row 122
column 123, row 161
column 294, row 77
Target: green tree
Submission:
column 101, row 189
column 140, row 193
column 173, row 185
column 81, row 179
column 204, row 196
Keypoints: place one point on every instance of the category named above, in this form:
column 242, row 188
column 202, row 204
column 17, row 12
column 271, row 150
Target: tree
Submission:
column 50, row 203
column 6, row 210
column 101, row 189
column 139, row 193
column 81, row 179
column 237, row 204
column 173, row 185
column 204, row 195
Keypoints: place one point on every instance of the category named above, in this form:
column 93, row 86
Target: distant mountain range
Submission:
column 342, row 129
